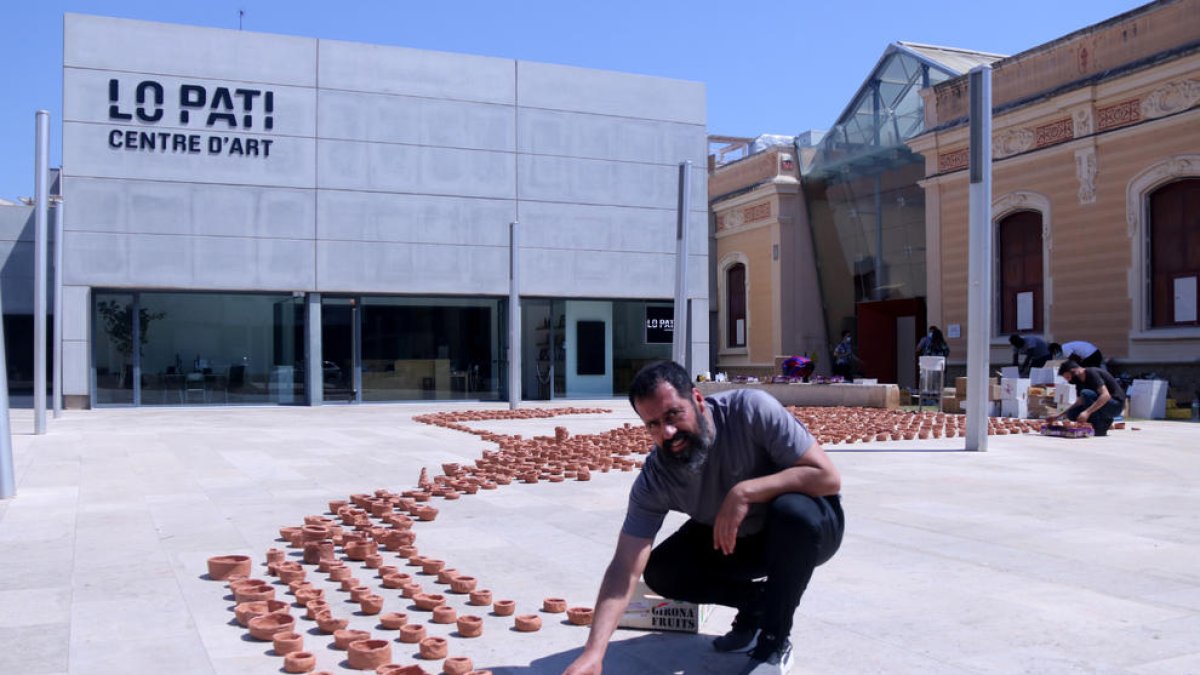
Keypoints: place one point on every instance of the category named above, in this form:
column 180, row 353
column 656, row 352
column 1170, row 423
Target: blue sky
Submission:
column 770, row 67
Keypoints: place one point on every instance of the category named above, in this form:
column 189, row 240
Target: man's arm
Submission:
column 813, row 474
column 1102, row 397
column 620, row 578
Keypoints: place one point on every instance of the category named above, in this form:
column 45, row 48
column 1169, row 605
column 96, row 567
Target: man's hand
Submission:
column 585, row 664
column 1055, row 416
column 729, row 519
column 1083, row 417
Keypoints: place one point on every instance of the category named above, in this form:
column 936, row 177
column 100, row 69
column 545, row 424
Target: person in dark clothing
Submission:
column 843, row 357
column 1101, row 397
column 933, row 344
column 763, row 501
column 1034, row 349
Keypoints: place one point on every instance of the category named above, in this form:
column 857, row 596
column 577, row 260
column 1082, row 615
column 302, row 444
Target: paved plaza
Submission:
column 1042, row 555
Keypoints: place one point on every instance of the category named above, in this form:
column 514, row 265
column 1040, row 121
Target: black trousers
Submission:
column 801, row 533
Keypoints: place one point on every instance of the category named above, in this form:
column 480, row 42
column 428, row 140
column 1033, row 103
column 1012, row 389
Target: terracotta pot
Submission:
column 432, row 566
column 416, row 561
column 369, row 654
column 406, row 551
column 393, row 620
column 244, row 611
column 580, row 616
column 427, row 601
column 298, row 585
column 263, row 591
column 462, row 584
column 470, row 625
column 528, row 623
column 412, row 633
column 336, row 504
column 307, row 595
column 504, row 607
column 312, row 609
column 290, row 571
column 373, row 561
column 434, row 648
column 427, row 513
column 222, row 567
column 357, row 593
column 314, row 532
column 299, row 662
column 287, row 642
column 410, row 590
column 554, row 605
column 371, row 604
column 396, row 580
column 342, row 638
column 327, row 564
column 457, row 665
column 396, row 669
column 340, row 573
column 480, row 598
column 328, row 623
column 266, row 626
column 276, row 555
column 444, row 614
column 349, row 582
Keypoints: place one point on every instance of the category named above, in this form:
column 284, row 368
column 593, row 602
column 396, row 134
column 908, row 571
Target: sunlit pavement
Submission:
column 1042, row 555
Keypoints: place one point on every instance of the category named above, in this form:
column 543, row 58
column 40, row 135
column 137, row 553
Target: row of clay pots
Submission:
column 850, row 425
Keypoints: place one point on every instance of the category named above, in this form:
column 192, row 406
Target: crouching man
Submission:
column 764, row 510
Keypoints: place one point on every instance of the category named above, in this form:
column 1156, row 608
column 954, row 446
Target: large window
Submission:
column 1019, row 252
column 735, row 302
column 1174, row 233
column 197, row 348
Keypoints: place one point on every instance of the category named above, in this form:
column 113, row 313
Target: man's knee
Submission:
column 796, row 511
column 659, row 575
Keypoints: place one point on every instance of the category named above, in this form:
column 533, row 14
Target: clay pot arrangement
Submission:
column 855, row 425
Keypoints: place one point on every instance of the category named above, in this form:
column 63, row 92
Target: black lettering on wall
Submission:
column 269, row 107
column 156, row 91
column 222, row 100
column 190, row 96
column 114, row 98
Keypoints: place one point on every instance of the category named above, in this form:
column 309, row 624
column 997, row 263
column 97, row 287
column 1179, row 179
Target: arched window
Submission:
column 1019, row 254
column 1174, row 253
column 735, row 303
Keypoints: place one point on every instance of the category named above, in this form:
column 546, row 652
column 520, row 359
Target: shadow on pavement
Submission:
column 648, row 654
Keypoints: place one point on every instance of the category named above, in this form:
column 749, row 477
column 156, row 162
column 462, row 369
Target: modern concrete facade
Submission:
column 307, row 171
column 1096, row 145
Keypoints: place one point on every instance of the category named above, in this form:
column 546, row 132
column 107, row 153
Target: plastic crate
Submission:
column 1060, row 431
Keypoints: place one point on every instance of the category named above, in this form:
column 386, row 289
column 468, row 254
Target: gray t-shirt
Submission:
column 755, row 437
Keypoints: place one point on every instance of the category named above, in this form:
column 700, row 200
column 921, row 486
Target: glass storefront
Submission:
column 244, row 348
column 197, row 348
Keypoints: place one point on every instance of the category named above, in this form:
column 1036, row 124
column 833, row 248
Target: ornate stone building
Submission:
column 1096, row 193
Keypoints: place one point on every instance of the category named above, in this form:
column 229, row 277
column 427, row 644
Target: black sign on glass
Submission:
column 660, row 325
column 590, row 336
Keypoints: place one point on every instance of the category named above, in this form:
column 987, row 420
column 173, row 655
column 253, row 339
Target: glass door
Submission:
column 340, row 349
column 114, row 336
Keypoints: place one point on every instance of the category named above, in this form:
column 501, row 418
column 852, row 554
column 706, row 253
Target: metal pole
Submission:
column 58, row 306
column 41, row 182
column 314, row 372
column 679, row 339
column 979, row 256
column 8, row 483
column 514, row 319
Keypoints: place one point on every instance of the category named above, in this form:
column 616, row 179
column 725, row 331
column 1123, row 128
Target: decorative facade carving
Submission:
column 756, row 212
column 1171, row 98
column 953, row 160
column 1082, row 118
column 1055, row 132
column 1180, row 166
column 1118, row 115
column 1021, row 201
column 1085, row 171
column 1011, row 142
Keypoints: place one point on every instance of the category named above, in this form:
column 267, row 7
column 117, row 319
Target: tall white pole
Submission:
column 514, row 318
column 8, row 481
column 41, row 184
column 58, row 306
column 679, row 339
column 979, row 257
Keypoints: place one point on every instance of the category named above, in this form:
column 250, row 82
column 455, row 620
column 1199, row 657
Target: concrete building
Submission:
column 270, row 219
column 1096, row 193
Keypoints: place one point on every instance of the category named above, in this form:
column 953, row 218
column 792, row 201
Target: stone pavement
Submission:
column 1042, row 555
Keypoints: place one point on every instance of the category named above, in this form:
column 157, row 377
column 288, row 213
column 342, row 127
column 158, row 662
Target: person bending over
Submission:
column 1033, row 348
column 763, row 502
column 1101, row 397
column 1084, row 353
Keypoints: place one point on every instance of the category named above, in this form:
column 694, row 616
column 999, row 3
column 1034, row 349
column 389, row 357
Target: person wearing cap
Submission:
column 1033, row 348
column 1084, row 353
column 1100, row 396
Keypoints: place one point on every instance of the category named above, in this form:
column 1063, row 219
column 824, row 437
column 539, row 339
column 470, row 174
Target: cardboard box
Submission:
column 1012, row 372
column 994, row 392
column 1042, row 375
column 960, row 387
column 1014, row 407
column 647, row 611
column 1014, row 389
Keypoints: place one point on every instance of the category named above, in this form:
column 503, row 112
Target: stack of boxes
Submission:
column 954, row 399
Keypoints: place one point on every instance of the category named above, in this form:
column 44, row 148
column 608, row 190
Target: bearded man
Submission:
column 764, row 510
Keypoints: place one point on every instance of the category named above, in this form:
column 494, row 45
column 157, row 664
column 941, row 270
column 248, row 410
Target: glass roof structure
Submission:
column 887, row 109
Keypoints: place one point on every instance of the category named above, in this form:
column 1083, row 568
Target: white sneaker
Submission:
column 768, row 660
